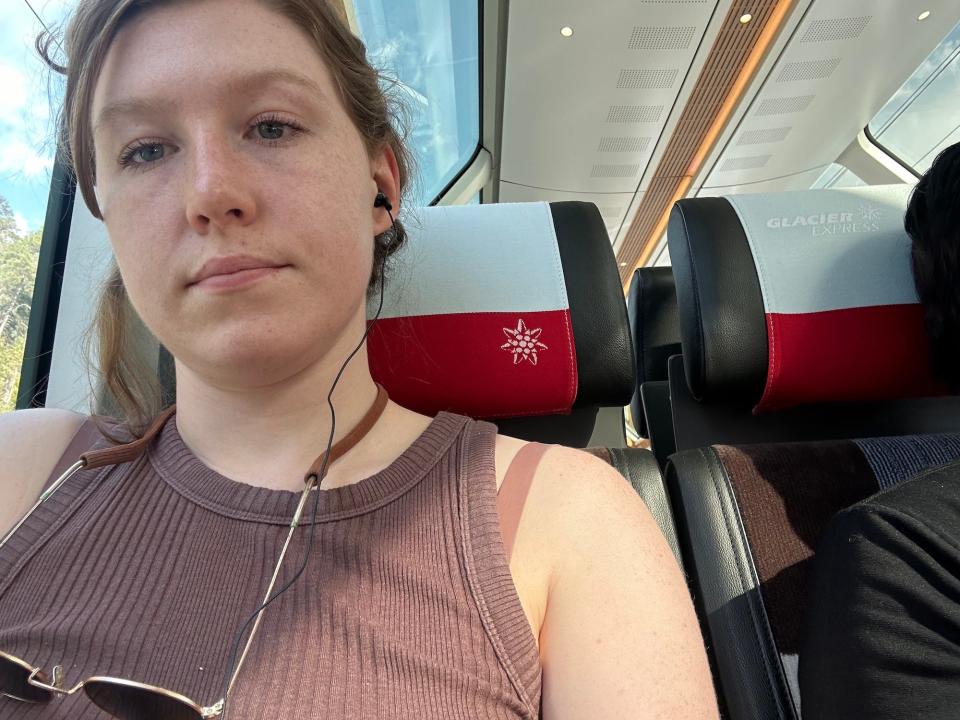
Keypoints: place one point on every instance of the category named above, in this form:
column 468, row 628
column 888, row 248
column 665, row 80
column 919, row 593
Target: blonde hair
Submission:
column 129, row 381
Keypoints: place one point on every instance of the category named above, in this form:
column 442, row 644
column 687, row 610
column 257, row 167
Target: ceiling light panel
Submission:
column 825, row 87
column 569, row 105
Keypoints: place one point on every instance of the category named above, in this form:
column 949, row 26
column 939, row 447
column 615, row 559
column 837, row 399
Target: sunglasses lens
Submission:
column 138, row 703
column 13, row 682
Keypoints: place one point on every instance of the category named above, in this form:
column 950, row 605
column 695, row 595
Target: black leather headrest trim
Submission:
column 605, row 361
column 722, row 323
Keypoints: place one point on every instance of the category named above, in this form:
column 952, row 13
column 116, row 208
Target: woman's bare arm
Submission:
column 31, row 442
column 620, row 638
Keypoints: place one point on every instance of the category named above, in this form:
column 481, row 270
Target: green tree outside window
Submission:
column 19, row 252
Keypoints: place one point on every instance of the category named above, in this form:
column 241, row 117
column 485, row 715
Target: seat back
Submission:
column 751, row 519
column 800, row 330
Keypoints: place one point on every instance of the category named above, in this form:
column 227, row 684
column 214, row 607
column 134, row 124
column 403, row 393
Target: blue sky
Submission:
column 26, row 127
column 430, row 44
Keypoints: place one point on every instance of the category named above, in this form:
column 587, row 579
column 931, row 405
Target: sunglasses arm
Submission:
column 78, row 465
column 56, row 686
column 312, row 483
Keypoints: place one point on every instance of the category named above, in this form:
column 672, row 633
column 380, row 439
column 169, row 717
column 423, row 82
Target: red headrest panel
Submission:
column 841, row 310
column 476, row 318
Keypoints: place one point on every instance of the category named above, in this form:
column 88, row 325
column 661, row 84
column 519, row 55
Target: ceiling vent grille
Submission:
column 611, row 215
column 634, row 113
column 673, row 2
column 751, row 162
column 615, row 171
column 623, row 144
column 765, row 135
column 646, row 37
column 808, row 70
column 836, row 29
column 784, row 105
column 647, row 79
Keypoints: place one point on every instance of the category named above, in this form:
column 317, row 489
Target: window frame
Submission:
column 47, row 289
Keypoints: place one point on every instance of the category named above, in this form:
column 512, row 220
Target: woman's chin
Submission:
column 251, row 365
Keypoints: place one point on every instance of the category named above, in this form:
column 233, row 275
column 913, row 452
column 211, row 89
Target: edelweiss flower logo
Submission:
column 868, row 213
column 523, row 343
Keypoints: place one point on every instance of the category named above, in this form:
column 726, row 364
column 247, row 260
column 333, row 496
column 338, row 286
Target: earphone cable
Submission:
column 318, row 478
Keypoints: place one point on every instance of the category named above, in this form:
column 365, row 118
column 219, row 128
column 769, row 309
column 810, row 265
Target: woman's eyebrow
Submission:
column 152, row 106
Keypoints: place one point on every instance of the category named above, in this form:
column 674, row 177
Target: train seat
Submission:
column 804, row 387
column 548, row 267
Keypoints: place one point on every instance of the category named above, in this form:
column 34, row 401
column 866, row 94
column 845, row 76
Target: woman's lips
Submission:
column 236, row 280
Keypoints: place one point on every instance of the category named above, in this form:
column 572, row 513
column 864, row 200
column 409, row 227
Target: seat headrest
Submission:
column 652, row 310
column 503, row 310
column 799, row 298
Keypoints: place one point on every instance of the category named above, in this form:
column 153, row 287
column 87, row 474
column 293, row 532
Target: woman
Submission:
column 236, row 151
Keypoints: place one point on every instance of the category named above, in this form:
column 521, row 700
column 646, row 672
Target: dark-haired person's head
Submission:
column 933, row 223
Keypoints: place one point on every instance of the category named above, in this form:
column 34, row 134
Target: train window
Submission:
column 923, row 116
column 26, row 168
column 431, row 49
column 837, row 176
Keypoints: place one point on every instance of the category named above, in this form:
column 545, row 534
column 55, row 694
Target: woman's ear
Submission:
column 386, row 175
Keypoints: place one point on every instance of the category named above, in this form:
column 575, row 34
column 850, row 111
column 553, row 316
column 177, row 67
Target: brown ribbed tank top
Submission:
column 407, row 608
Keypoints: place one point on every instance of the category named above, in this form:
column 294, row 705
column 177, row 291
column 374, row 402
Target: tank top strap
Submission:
column 514, row 489
column 487, row 566
column 83, row 439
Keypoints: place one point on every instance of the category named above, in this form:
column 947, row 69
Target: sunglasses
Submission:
column 131, row 700
column 123, row 699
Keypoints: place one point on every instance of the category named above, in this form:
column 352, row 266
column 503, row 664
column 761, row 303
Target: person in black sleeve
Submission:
column 883, row 627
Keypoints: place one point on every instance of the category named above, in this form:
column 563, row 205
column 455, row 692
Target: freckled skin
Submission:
column 216, row 191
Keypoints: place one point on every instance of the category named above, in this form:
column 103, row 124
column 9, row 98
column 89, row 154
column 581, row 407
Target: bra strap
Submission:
column 514, row 489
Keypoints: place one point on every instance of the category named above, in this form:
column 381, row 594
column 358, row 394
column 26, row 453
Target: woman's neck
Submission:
column 268, row 436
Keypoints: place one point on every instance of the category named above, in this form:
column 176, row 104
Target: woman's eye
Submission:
column 274, row 130
column 270, row 130
column 143, row 154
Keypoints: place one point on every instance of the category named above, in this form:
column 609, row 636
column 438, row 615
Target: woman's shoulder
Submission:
column 573, row 497
column 560, row 465
column 608, row 587
column 31, row 443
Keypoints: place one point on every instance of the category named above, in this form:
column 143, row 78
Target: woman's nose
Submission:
column 218, row 191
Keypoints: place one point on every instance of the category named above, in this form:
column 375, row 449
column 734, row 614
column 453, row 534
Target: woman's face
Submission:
column 220, row 137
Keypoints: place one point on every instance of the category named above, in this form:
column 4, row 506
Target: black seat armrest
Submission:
column 726, row 589
column 641, row 469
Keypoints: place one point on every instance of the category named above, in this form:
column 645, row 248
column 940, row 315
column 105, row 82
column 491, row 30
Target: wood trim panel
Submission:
column 727, row 72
